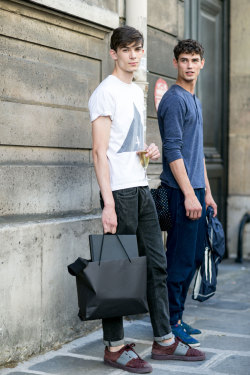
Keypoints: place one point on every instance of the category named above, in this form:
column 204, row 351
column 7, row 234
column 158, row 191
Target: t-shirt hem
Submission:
column 171, row 185
column 127, row 186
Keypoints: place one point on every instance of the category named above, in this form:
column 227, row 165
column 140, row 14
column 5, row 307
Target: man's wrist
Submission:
column 189, row 193
column 207, row 191
column 109, row 205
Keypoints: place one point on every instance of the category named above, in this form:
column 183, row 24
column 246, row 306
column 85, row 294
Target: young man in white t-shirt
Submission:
column 117, row 115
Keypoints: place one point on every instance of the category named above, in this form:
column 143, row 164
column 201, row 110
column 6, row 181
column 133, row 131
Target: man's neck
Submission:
column 188, row 86
column 125, row 77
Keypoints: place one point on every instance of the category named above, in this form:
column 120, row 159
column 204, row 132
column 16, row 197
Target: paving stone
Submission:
column 221, row 303
column 139, row 331
column 224, row 324
column 234, row 365
column 157, row 371
column 64, row 365
column 170, row 364
column 96, row 349
column 216, row 314
column 225, row 342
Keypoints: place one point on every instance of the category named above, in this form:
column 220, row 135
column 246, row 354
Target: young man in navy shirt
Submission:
column 185, row 178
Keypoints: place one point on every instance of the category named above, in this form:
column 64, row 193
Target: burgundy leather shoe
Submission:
column 177, row 351
column 127, row 359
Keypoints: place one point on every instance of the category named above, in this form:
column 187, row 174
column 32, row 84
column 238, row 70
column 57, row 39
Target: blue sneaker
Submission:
column 180, row 332
column 190, row 330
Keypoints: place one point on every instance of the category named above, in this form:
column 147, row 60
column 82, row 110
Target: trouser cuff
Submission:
column 165, row 337
column 113, row 343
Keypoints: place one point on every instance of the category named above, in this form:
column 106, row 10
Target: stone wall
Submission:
column 165, row 27
column 239, row 129
column 50, row 64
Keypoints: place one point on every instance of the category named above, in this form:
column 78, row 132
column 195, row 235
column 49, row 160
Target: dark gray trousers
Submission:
column 136, row 214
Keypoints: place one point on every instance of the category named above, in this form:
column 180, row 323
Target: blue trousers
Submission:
column 136, row 214
column 185, row 249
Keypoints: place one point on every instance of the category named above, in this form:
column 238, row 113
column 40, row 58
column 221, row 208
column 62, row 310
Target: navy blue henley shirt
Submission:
column 181, row 128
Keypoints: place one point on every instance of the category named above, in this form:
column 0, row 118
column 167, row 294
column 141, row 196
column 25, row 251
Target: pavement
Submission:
column 224, row 320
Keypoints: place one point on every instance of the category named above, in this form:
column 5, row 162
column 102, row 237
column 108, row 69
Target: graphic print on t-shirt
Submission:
column 134, row 139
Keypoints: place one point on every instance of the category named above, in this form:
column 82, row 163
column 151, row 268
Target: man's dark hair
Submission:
column 125, row 35
column 188, row 46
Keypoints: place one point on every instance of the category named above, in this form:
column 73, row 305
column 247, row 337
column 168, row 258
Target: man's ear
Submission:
column 202, row 63
column 175, row 63
column 113, row 54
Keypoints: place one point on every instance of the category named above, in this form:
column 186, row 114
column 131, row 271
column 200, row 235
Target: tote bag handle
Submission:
column 100, row 257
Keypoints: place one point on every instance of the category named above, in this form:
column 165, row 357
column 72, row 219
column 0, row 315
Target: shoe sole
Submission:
column 177, row 357
column 129, row 369
column 194, row 345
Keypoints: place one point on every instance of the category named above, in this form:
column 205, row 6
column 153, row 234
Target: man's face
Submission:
column 188, row 66
column 128, row 58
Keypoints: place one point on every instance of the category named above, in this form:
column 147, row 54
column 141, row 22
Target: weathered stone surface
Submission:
column 234, row 363
column 240, row 105
column 237, row 207
column 36, row 82
column 39, row 125
column 160, row 57
column 42, row 29
column 239, row 25
column 223, row 339
column 65, row 365
column 103, row 12
column 181, row 20
column 239, row 156
column 239, row 117
column 94, row 348
column 164, row 16
column 10, row 155
column 38, row 306
column 105, row 4
column 153, row 135
column 45, row 189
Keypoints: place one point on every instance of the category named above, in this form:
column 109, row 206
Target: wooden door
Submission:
column 206, row 21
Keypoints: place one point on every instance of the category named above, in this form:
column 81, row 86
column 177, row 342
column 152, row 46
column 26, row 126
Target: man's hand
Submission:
column 153, row 152
column 193, row 207
column 210, row 202
column 109, row 219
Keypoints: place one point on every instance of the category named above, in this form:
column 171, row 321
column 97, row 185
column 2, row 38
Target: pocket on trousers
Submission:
column 126, row 193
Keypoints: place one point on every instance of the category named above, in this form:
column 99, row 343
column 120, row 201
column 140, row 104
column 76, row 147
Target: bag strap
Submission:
column 76, row 268
column 117, row 236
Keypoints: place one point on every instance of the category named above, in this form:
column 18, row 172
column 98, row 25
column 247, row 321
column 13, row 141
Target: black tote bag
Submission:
column 111, row 288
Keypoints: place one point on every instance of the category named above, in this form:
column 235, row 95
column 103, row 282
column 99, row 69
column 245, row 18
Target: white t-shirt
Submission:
column 124, row 104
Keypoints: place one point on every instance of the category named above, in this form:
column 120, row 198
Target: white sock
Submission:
column 167, row 343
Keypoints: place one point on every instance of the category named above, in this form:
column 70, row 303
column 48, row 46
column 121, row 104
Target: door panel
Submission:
column 205, row 21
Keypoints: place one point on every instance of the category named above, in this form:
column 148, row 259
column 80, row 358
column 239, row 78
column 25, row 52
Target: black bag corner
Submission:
column 160, row 198
column 111, row 288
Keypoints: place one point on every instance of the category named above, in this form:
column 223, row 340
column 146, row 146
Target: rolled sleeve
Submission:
column 101, row 103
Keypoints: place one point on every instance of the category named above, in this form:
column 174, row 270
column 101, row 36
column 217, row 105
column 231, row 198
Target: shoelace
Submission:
column 130, row 347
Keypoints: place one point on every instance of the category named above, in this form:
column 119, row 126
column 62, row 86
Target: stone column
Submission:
column 136, row 16
column 239, row 125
